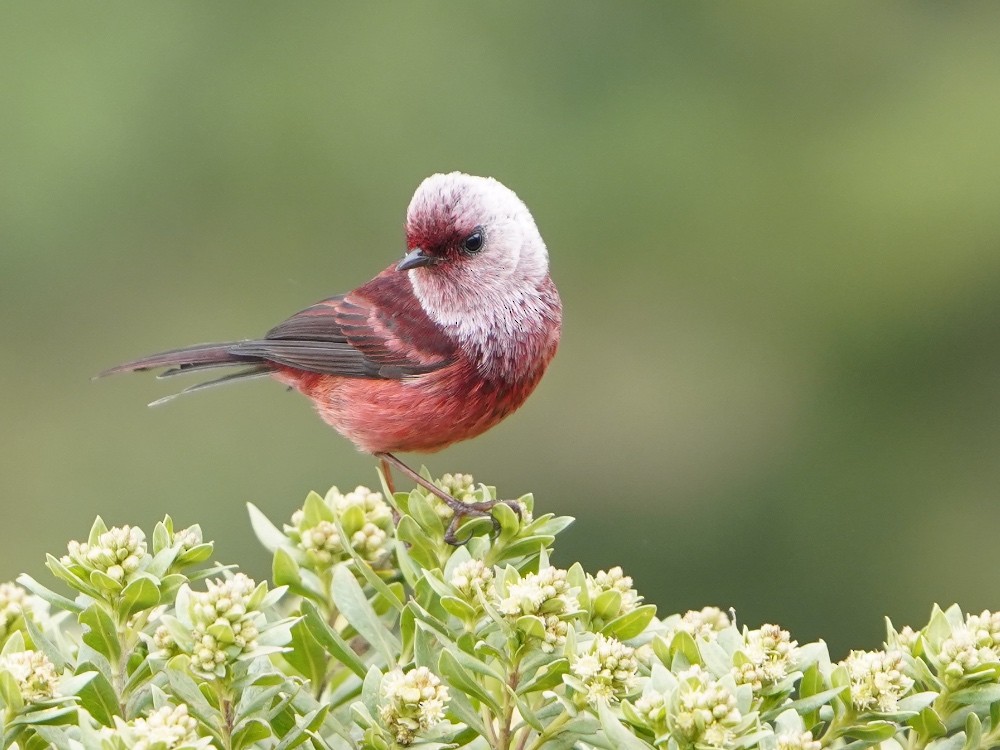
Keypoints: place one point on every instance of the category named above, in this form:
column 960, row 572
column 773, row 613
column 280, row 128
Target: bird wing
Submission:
column 378, row 331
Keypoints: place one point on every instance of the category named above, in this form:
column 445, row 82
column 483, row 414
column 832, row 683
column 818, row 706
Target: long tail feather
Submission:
column 190, row 357
column 248, row 374
column 195, row 359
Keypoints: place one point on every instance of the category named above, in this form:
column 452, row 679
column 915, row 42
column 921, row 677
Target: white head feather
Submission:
column 497, row 293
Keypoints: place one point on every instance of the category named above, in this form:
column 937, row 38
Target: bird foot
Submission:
column 475, row 510
column 461, row 510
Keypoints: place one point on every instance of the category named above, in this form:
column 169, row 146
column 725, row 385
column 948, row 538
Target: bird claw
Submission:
column 478, row 510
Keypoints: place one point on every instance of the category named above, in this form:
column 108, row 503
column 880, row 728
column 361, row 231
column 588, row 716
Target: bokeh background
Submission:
column 775, row 228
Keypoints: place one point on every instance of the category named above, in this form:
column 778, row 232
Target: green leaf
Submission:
column 194, row 555
column 267, row 533
column 104, row 583
column 303, row 729
column 102, row 634
column 370, row 575
column 422, row 510
column 10, row 693
column 307, row 656
column 973, row 732
column 460, row 707
column 285, row 571
column 630, row 624
column 872, row 731
column 458, row 607
column 527, row 547
column 510, row 522
column 977, row 694
column 62, row 572
column 161, row 534
column 73, row 684
column 56, row 600
column 357, row 610
column 249, row 731
column 315, row 510
column 371, row 690
column 187, row 691
column 620, row 737
column 421, row 548
column 141, row 593
column 331, row 640
column 44, row 644
column 461, row 679
column 917, row 701
column 531, row 625
column 811, row 702
column 98, row 696
column 608, row 604
column 546, row 678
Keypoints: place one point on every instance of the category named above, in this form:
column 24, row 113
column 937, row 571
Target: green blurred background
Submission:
column 775, row 228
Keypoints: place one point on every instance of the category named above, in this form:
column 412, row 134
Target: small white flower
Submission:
column 117, row 552
column 321, row 541
column 877, row 680
column 16, row 603
column 35, row 675
column 412, row 702
column 705, row 623
column 798, row 741
column 545, row 594
column 703, row 711
column 165, row 728
column 223, row 626
column 772, row 654
column 616, row 580
column 607, row 667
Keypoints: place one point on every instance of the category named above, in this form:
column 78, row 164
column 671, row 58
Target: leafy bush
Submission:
column 379, row 635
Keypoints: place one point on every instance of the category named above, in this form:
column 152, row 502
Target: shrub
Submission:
column 378, row 634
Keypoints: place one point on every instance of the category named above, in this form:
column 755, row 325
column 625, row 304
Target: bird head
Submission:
column 464, row 230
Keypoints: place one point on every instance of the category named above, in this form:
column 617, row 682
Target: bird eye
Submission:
column 474, row 242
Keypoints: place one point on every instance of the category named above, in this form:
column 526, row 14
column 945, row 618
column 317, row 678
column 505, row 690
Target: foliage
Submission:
column 380, row 635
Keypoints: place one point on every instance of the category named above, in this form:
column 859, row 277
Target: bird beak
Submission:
column 415, row 259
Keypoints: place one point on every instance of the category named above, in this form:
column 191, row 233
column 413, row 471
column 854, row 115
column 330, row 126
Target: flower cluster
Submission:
column 985, row 630
column 705, row 712
column 699, row 711
column 613, row 580
column 188, row 538
column 224, row 624
column 877, row 680
column 116, row 553
column 462, row 487
column 33, row 672
column 704, row 623
column 471, row 577
column 607, row 670
column 412, row 702
column 962, row 655
column 16, row 604
column 166, row 728
column 546, row 595
column 907, row 639
column 770, row 656
column 364, row 516
column 798, row 741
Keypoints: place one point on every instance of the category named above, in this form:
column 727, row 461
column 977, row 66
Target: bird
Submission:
column 437, row 348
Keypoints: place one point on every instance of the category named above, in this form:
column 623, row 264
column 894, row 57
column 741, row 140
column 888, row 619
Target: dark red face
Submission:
column 444, row 236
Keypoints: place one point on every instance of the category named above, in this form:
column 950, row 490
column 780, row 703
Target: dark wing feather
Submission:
column 377, row 331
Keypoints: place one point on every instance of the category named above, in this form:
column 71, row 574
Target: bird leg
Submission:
column 460, row 509
column 391, row 486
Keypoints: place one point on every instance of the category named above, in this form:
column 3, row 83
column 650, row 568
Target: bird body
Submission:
column 435, row 349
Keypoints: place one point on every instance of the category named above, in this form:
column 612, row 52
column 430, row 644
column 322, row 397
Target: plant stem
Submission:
column 550, row 731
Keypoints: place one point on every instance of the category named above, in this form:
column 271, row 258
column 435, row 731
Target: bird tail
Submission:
column 194, row 359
